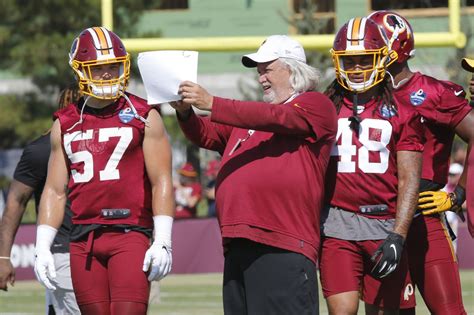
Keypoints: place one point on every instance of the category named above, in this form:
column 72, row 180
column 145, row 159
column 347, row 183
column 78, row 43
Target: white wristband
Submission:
column 45, row 235
column 163, row 225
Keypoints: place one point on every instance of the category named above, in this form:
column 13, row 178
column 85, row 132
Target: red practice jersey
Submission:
column 271, row 181
column 106, row 164
column 367, row 161
column 442, row 105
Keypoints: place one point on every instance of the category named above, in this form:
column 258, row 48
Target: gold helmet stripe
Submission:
column 355, row 30
column 355, row 34
column 102, row 42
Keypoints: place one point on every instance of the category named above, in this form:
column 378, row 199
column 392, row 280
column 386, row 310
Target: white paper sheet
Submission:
column 162, row 72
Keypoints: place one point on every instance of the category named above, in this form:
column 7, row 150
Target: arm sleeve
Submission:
column 311, row 115
column 204, row 133
column 412, row 133
column 452, row 108
column 447, row 104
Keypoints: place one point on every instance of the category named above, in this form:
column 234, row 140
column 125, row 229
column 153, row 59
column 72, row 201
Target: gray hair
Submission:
column 303, row 77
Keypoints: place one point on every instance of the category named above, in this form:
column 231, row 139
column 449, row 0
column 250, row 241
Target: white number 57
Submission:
column 110, row 172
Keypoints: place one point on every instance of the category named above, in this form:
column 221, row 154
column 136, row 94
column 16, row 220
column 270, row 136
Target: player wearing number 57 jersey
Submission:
column 110, row 152
column 372, row 179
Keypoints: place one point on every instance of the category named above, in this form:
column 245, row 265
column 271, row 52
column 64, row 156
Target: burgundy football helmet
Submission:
column 399, row 32
column 361, row 37
column 97, row 46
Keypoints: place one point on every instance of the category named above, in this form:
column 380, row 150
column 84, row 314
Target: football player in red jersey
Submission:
column 374, row 173
column 110, row 152
column 468, row 65
column 446, row 112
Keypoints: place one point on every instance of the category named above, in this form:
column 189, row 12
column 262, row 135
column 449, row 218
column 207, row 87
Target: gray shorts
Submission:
column 63, row 298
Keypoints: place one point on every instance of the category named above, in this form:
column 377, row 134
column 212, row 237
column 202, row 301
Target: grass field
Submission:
column 181, row 295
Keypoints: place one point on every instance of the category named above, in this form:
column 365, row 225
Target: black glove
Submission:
column 387, row 256
column 459, row 198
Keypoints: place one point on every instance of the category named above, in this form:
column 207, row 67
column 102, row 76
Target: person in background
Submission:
column 111, row 156
column 454, row 174
column 28, row 180
column 270, row 186
column 468, row 65
column 373, row 180
column 3, row 197
column 187, row 192
column 210, row 191
column 446, row 112
column 459, row 154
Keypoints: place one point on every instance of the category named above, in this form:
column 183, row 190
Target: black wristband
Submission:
column 460, row 194
column 396, row 238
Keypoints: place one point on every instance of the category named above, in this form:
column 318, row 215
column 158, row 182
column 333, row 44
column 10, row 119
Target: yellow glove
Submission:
column 431, row 202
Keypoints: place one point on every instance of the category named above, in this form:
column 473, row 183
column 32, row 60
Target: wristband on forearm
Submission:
column 163, row 225
column 459, row 196
column 45, row 235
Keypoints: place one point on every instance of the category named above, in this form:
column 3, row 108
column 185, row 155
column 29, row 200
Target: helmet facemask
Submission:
column 100, row 88
column 363, row 39
column 372, row 73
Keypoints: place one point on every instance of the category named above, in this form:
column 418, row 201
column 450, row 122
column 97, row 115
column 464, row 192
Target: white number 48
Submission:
column 346, row 150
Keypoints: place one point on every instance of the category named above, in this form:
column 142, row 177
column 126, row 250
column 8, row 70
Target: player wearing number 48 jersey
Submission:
column 446, row 112
column 373, row 179
column 111, row 153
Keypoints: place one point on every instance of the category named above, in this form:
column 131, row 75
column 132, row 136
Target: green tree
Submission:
column 306, row 24
column 35, row 38
column 23, row 119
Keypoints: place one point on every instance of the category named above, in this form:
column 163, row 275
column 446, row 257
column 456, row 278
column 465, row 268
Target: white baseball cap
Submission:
column 274, row 47
column 455, row 169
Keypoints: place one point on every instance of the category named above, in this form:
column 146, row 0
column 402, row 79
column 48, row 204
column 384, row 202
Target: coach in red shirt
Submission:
column 270, row 186
column 468, row 65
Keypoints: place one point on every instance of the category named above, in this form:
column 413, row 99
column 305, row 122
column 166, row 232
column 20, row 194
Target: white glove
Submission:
column 158, row 256
column 44, row 261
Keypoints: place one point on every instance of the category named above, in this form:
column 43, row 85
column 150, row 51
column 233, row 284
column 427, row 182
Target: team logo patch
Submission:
column 417, row 98
column 126, row 115
column 387, row 111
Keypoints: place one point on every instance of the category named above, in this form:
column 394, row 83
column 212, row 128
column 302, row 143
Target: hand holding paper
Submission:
column 163, row 71
column 194, row 94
